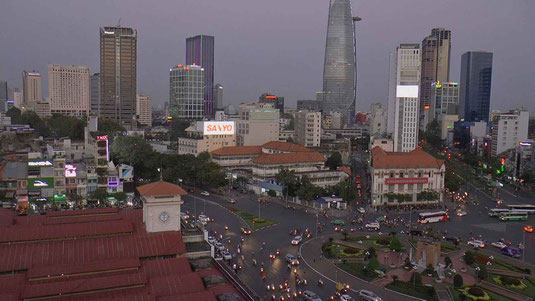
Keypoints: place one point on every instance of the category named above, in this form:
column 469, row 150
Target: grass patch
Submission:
column 524, row 286
column 493, row 296
column 253, row 221
column 358, row 269
column 333, row 250
column 418, row 291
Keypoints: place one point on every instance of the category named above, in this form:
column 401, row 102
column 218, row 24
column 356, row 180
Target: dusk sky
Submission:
column 272, row 46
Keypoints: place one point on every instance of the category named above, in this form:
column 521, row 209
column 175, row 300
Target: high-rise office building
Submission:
column 378, row 119
column 444, row 99
column 277, row 101
column 308, row 128
column 339, row 71
column 118, row 65
column 218, row 97
column 95, row 94
column 31, row 87
column 403, row 96
column 18, row 98
column 476, row 77
column 144, row 109
column 435, row 63
column 69, row 90
column 200, row 51
column 508, row 129
column 186, row 92
column 3, row 96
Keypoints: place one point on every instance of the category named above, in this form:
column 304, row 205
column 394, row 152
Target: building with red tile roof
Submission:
column 160, row 188
column 101, row 254
column 406, row 178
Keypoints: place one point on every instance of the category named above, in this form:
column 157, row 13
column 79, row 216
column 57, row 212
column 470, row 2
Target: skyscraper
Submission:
column 68, row 89
column 95, row 94
column 435, row 63
column 200, row 51
column 339, row 70
column 144, row 109
column 218, row 97
column 476, row 77
column 403, row 96
column 118, row 64
column 31, row 87
column 277, row 101
column 186, row 92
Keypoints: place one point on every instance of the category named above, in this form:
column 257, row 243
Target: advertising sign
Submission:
column 218, row 128
column 70, row 170
column 40, row 163
column 409, row 91
column 39, row 183
column 406, row 181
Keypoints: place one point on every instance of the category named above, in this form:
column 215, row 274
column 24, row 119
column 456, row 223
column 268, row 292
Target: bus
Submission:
column 432, row 217
column 514, row 216
column 522, row 208
column 495, row 212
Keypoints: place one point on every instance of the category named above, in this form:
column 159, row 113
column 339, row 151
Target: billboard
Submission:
column 407, row 91
column 40, row 183
column 70, row 170
column 406, row 181
column 218, row 128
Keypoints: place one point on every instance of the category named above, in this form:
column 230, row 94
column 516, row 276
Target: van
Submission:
column 369, row 296
column 291, row 259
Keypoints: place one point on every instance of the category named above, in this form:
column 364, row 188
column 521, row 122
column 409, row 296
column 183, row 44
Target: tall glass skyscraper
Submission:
column 339, row 70
column 476, row 76
column 200, row 51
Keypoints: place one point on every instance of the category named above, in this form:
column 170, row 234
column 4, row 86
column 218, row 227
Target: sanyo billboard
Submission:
column 218, row 128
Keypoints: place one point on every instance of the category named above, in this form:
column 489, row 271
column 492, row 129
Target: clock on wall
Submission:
column 164, row 216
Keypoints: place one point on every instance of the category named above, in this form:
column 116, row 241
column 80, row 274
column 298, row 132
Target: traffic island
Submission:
column 253, row 221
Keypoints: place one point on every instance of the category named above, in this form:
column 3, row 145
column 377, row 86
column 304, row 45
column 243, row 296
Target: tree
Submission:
column 121, row 196
column 416, row 278
column 110, row 128
column 469, row 257
column 373, row 264
column 395, row 244
column 100, row 194
column 482, row 274
column 290, row 126
column 447, row 261
column 432, row 134
column 458, row 281
column 427, row 195
column 14, row 113
column 371, row 251
column 272, row 193
column 287, row 178
column 307, row 191
column 135, row 151
column 66, row 126
column 334, row 160
column 241, row 181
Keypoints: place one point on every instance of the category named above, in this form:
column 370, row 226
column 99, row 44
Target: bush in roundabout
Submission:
column 475, row 294
column 510, row 282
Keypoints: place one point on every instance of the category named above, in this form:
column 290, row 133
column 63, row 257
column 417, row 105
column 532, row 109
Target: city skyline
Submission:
column 250, row 65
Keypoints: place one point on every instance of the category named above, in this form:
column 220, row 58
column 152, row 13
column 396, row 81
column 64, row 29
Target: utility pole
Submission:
column 317, row 225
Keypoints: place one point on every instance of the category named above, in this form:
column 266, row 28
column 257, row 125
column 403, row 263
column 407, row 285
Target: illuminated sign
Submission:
column 33, row 74
column 218, row 128
column 38, row 183
column 409, row 91
column 40, row 163
column 70, row 171
column 524, row 143
column 113, row 181
column 102, row 138
column 406, row 181
column 427, row 107
column 109, row 32
column 271, row 97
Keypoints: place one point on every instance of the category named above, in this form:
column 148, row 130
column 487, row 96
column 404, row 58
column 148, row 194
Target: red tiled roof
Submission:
column 6, row 217
column 413, row 159
column 82, row 219
column 284, row 158
column 238, row 150
column 82, row 212
column 345, row 169
column 161, row 188
column 67, row 270
column 286, row 147
column 196, row 296
column 176, row 284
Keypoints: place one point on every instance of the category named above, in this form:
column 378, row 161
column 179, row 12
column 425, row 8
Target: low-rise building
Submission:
column 508, row 129
column 406, row 178
column 197, row 142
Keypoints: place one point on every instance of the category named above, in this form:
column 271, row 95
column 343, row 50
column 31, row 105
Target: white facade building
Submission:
column 69, row 89
column 378, row 120
column 196, row 142
column 308, row 128
column 508, row 129
column 403, row 98
column 144, row 109
column 257, row 124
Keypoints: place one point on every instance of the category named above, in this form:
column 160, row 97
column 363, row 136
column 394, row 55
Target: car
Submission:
column 498, row 244
column 346, row 297
column 204, row 218
column 338, row 222
column 453, row 239
column 205, row 193
column 184, row 215
column 461, row 213
column 291, row 259
column 226, row 255
column 528, row 229
column 245, row 231
column 373, row 226
column 211, row 240
column 192, row 190
column 311, row 296
column 361, row 210
column 369, row 296
column 297, row 240
column 476, row 243
column 232, row 201
column 219, row 246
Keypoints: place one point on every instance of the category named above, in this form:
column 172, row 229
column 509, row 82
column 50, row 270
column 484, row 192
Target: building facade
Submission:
column 31, row 87
column 476, row 77
column 257, row 124
column 218, row 97
column 186, row 92
column 69, row 89
column 200, row 51
column 508, row 129
column 144, row 109
column 196, row 142
column 436, row 50
column 277, row 101
column 397, row 175
column 308, row 128
column 118, row 75
column 95, row 94
column 403, row 96
column 444, row 99
column 339, row 71
column 378, row 120
column 309, row 105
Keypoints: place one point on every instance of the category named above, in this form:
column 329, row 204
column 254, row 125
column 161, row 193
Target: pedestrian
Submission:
column 314, row 260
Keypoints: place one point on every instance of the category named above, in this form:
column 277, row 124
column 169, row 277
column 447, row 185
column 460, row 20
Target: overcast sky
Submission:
column 272, row 46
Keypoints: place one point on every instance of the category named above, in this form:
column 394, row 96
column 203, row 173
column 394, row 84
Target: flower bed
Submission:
column 475, row 293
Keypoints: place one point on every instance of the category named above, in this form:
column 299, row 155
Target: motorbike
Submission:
column 320, row 282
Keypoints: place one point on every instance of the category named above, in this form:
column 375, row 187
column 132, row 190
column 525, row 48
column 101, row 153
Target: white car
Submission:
column 297, row 240
column 291, row 259
column 211, row 240
column 346, row 297
column 205, row 193
column 461, row 213
column 498, row 244
column 204, row 218
column 476, row 243
column 369, row 296
column 184, row 215
column 311, row 296
column 361, row 210
column 226, row 255
column 219, row 246
column 373, row 226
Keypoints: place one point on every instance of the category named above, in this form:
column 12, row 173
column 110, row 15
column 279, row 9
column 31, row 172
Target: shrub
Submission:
column 447, row 261
column 510, row 281
column 373, row 264
column 482, row 273
column 458, row 280
column 258, row 220
column 351, row 250
column 371, row 250
column 395, row 244
column 416, row 278
column 469, row 257
column 476, row 291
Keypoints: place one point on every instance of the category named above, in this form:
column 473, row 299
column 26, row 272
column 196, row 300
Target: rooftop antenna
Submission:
column 119, row 23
